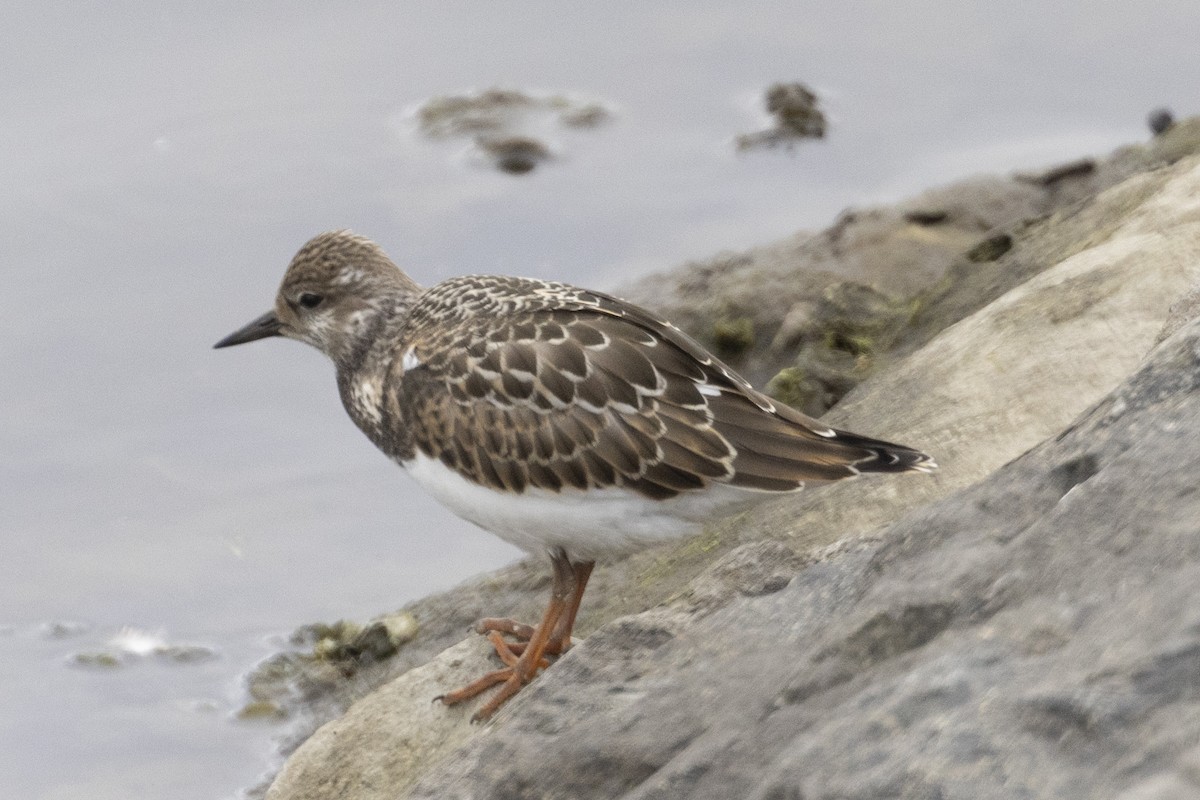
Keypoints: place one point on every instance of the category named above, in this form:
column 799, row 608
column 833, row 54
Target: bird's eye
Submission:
column 309, row 300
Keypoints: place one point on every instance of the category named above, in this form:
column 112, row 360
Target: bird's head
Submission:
column 335, row 293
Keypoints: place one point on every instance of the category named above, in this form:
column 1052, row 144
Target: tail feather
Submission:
column 782, row 449
column 885, row 456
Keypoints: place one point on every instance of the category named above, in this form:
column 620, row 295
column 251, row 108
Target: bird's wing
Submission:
column 585, row 391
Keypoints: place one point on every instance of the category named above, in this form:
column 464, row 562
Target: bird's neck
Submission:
column 363, row 371
column 364, row 331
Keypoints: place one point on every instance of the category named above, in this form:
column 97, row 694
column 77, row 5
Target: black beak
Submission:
column 266, row 325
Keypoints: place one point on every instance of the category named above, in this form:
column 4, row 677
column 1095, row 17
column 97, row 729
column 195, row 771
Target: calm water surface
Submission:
column 159, row 165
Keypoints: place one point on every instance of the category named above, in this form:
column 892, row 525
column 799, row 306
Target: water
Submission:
column 159, row 163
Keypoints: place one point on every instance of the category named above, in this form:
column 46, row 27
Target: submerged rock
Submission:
column 794, row 108
column 97, row 660
column 328, row 656
column 63, row 629
column 508, row 127
column 514, row 154
column 130, row 645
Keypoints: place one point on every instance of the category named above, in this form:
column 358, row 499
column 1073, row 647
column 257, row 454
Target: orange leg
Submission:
column 566, row 623
column 505, row 650
column 524, row 659
column 560, row 641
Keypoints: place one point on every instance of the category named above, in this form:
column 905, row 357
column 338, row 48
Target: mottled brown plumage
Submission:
column 561, row 419
column 521, row 383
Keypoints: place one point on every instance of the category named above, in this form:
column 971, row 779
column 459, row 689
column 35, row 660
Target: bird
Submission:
column 566, row 421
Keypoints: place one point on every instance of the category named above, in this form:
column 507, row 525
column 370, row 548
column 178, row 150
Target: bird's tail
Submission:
column 885, row 456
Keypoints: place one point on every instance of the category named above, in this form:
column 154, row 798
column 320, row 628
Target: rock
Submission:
column 1035, row 635
column 838, row 339
column 377, row 749
column 1072, row 169
column 515, row 155
column 330, row 655
column 186, row 653
column 262, row 709
column 1020, row 369
column 798, row 651
column 1160, row 120
column 100, row 660
column 951, row 241
column 796, row 113
column 991, row 248
column 499, row 122
column 1182, row 311
column 63, row 629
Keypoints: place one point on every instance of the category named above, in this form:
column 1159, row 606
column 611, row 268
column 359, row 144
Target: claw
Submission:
column 524, row 658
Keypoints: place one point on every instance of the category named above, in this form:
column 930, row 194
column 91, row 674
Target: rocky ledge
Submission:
column 1022, row 624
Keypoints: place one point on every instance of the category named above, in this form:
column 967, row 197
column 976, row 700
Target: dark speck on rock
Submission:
column 1072, row 169
column 991, row 248
column 926, row 216
column 1160, row 121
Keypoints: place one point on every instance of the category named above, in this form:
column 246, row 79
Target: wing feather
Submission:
column 556, row 388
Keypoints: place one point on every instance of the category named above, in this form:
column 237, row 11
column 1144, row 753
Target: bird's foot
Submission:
column 511, row 683
column 526, row 656
column 504, row 625
column 556, row 646
column 517, row 672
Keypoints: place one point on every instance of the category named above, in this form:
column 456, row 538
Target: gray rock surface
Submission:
column 798, row 652
column 336, row 765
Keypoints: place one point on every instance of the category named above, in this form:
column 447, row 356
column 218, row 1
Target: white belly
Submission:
column 588, row 525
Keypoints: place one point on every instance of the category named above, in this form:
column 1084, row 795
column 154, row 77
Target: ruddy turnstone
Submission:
column 565, row 421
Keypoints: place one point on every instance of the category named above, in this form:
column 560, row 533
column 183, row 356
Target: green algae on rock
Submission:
column 732, row 338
